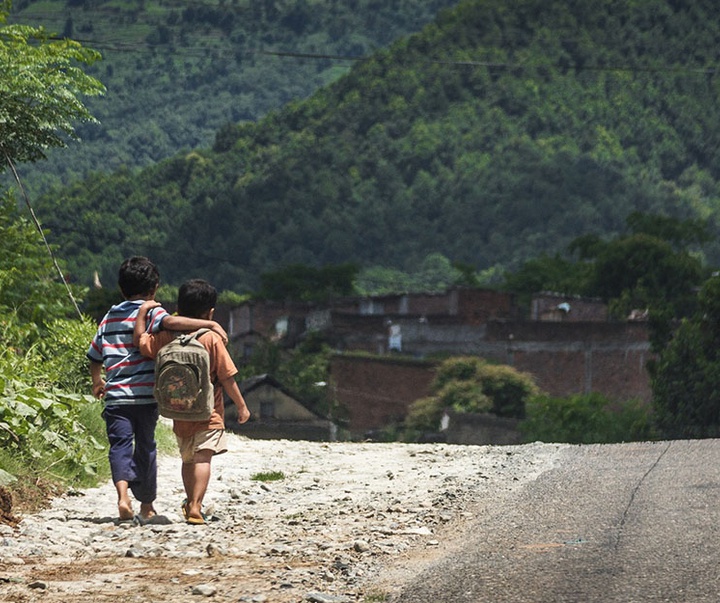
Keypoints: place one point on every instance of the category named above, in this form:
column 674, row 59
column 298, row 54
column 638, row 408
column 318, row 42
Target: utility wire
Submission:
column 42, row 234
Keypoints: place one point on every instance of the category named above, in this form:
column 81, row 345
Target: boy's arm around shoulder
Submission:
column 149, row 344
column 141, row 320
column 183, row 323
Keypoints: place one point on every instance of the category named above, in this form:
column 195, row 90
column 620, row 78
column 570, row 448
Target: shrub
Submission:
column 508, row 389
column 425, row 414
column 463, row 368
column 468, row 384
column 464, row 396
column 585, row 419
column 47, row 426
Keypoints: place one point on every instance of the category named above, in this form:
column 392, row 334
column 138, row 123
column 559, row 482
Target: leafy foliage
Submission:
column 179, row 74
column 497, row 134
column 305, row 283
column 425, row 414
column 653, row 267
column 686, row 375
column 470, row 384
column 40, row 83
column 435, row 273
column 300, row 370
column 28, row 284
column 43, row 416
column 42, row 427
column 586, row 419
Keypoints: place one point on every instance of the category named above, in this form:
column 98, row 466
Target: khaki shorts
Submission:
column 213, row 439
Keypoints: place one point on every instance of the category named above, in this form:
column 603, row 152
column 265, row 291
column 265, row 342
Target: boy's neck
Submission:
column 147, row 296
column 202, row 316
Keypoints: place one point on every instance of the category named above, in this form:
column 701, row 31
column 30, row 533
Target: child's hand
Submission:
column 149, row 305
column 98, row 389
column 220, row 331
column 243, row 414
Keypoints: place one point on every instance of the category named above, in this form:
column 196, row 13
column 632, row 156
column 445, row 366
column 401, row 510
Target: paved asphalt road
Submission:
column 610, row 523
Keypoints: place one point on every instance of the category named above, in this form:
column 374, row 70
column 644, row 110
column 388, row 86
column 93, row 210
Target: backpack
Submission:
column 183, row 386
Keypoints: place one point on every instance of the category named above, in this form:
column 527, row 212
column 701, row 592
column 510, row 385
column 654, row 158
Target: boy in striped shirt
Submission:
column 130, row 411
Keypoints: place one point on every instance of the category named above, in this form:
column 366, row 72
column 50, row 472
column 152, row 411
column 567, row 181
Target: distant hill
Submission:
column 501, row 131
column 177, row 71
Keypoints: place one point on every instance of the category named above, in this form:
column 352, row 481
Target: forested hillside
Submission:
column 502, row 131
column 177, row 71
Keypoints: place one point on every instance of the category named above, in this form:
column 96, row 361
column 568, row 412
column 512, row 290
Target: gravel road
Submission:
column 346, row 522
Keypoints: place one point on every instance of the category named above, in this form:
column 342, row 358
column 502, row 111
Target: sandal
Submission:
column 197, row 521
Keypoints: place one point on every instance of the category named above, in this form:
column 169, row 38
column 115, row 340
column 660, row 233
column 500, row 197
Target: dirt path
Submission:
column 342, row 515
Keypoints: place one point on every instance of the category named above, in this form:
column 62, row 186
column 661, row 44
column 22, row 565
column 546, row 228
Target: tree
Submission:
column 27, row 286
column 586, row 419
column 469, row 384
column 678, row 232
column 643, row 271
column 307, row 283
column 39, row 87
column 685, row 378
column 546, row 273
column 650, row 268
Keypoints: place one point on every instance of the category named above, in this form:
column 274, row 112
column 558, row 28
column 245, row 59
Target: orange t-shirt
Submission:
column 222, row 367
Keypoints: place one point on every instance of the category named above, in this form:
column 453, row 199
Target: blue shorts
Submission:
column 133, row 451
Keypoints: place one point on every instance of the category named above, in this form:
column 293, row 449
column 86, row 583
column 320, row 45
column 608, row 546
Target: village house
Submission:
column 567, row 343
column 275, row 413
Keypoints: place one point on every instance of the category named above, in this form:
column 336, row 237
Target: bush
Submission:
column 62, row 352
column 508, row 389
column 468, row 384
column 464, row 396
column 425, row 414
column 585, row 419
column 48, row 427
column 462, row 368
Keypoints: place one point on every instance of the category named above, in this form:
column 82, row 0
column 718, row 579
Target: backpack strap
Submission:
column 185, row 338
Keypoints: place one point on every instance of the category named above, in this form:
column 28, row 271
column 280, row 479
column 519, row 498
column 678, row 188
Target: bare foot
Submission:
column 125, row 511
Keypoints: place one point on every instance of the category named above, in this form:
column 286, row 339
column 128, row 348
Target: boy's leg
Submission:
column 119, row 431
column 144, row 487
column 196, row 452
column 196, row 478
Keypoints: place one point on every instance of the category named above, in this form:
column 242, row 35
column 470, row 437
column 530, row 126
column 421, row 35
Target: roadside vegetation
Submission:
column 51, row 430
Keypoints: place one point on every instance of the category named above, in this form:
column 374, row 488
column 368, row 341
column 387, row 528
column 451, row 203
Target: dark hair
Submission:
column 196, row 297
column 138, row 276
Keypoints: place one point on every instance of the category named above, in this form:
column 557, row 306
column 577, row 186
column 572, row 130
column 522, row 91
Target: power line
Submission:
column 198, row 51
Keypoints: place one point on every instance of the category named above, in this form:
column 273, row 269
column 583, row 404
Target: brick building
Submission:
column 568, row 345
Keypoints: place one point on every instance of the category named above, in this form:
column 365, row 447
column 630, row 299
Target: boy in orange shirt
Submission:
column 198, row 441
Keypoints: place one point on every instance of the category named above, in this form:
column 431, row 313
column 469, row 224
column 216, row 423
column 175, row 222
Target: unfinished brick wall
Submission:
column 576, row 358
column 564, row 359
column 377, row 391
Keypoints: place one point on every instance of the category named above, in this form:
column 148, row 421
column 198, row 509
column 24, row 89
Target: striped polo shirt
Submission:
column 129, row 376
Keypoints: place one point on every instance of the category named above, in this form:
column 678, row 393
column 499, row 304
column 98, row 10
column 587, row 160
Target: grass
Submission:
column 268, row 476
column 39, row 480
column 165, row 438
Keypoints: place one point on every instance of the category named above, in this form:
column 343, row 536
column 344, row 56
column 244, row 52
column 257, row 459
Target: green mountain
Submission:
column 177, row 71
column 501, row 131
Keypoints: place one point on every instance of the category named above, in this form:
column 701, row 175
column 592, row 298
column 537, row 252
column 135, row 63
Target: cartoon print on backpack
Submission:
column 183, row 388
